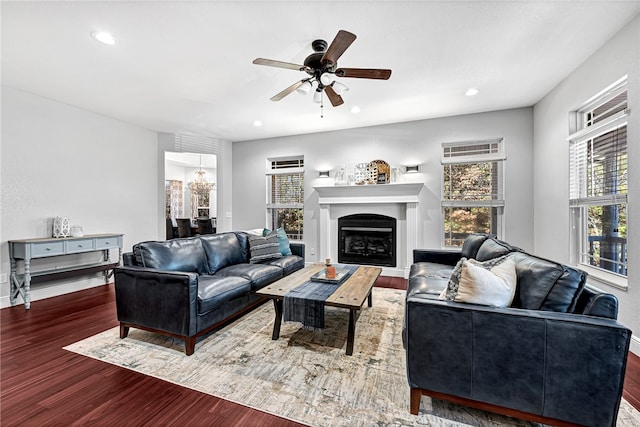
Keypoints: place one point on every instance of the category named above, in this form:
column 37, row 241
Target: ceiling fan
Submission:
column 322, row 66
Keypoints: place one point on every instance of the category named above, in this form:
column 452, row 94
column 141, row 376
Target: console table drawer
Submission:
column 107, row 243
column 47, row 249
column 83, row 245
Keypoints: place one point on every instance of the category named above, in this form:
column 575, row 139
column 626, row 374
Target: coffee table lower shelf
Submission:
column 350, row 295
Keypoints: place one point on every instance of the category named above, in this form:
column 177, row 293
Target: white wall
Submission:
column 619, row 56
column 398, row 144
column 62, row 160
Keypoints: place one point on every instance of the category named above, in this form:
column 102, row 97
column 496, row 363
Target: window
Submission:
column 472, row 189
column 285, row 195
column 598, row 181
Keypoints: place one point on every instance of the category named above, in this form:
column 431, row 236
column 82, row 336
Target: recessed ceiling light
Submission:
column 104, row 37
column 472, row 91
column 257, row 123
column 355, row 109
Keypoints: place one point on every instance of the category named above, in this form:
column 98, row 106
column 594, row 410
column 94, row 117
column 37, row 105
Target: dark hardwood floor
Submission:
column 42, row 384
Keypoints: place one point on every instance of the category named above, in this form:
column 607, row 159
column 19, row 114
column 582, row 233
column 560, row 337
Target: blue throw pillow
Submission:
column 283, row 240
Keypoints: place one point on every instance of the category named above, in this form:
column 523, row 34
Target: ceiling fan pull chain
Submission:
column 322, row 105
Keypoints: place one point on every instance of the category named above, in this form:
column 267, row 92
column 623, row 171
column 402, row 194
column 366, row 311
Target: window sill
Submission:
column 599, row 277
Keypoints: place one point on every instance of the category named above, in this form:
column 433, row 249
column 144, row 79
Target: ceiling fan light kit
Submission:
column 304, row 88
column 317, row 97
column 327, row 78
column 339, row 88
column 322, row 66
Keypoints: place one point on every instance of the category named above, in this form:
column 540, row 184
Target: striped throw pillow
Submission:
column 264, row 248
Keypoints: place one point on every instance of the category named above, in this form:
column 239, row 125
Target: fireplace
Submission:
column 368, row 239
column 399, row 200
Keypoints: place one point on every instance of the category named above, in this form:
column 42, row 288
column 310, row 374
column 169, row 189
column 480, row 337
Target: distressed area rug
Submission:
column 304, row 376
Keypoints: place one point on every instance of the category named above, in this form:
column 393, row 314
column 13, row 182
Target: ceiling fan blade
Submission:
column 287, row 91
column 333, row 96
column 279, row 64
column 364, row 73
column 342, row 41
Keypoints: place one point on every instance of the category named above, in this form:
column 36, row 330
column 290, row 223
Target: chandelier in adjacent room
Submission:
column 201, row 185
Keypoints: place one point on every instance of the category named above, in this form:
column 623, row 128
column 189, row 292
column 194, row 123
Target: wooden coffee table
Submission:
column 351, row 294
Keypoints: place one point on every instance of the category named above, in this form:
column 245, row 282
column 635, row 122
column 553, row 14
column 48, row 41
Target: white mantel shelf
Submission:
column 405, row 192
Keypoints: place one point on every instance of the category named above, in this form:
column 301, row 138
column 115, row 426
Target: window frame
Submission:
column 583, row 132
column 279, row 166
column 471, row 152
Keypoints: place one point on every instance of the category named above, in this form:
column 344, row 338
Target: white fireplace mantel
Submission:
column 403, row 195
column 406, row 192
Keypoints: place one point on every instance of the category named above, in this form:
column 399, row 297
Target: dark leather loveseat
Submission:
column 186, row 287
column 556, row 355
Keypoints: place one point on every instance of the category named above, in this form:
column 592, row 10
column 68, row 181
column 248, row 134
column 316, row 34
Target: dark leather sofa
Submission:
column 186, row 287
column 557, row 355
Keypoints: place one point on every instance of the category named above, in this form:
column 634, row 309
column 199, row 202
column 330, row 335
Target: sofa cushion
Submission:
column 222, row 250
column 472, row 243
column 493, row 248
column 546, row 285
column 283, row 240
column 264, row 248
column 493, row 287
column 214, row 291
column 288, row 264
column 243, row 238
column 136, row 255
column 428, row 279
column 174, row 255
column 260, row 275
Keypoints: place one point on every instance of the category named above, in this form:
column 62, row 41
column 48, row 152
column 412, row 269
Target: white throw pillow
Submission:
column 495, row 287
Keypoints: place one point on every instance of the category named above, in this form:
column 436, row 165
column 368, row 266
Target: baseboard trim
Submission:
column 634, row 347
column 43, row 292
column 393, row 272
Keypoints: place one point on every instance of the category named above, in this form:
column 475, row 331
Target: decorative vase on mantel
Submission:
column 61, row 226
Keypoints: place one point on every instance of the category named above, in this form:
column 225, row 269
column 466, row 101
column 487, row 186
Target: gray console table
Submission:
column 29, row 249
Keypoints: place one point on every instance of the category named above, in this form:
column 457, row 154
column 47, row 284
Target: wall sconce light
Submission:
column 323, row 174
column 412, row 169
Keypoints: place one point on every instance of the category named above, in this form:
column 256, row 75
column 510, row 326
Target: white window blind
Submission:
column 598, row 156
column 473, row 151
column 287, row 190
column 188, row 143
column 285, row 199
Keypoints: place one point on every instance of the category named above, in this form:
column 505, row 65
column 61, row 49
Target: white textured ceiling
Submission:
column 186, row 66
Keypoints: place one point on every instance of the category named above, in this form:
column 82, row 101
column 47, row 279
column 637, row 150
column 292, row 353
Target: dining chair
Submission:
column 184, row 227
column 205, row 226
column 169, row 229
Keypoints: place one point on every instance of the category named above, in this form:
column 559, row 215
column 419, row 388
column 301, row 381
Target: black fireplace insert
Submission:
column 368, row 239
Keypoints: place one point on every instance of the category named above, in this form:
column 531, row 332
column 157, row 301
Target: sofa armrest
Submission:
column 162, row 300
column 563, row 366
column 594, row 302
column 297, row 248
column 437, row 256
column 128, row 259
